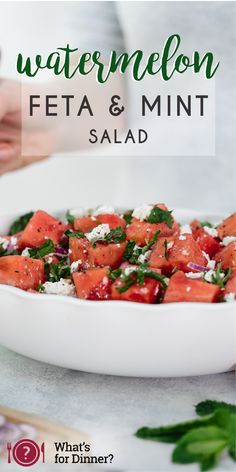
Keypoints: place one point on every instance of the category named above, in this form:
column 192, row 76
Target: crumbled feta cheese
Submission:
column 142, row 212
column 170, row 244
column 228, row 239
column 188, row 289
column 194, row 275
column 74, row 266
column 49, row 260
column 13, row 242
column 129, row 270
column 105, row 280
column 144, row 257
column 182, row 237
column 63, row 287
column 100, row 232
column 229, row 297
column 211, row 264
column 211, row 231
column 206, row 256
column 208, row 276
column 185, row 229
column 26, row 253
column 4, row 243
column 102, row 210
column 185, row 252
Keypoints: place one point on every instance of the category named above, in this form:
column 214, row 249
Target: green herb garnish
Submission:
column 55, row 272
column 128, row 217
column 157, row 215
column 116, row 235
column 133, row 252
column 20, row 223
column 201, row 440
column 206, row 223
column 166, row 249
column 217, row 278
column 114, row 274
column 138, row 276
column 43, row 250
column 70, row 218
column 74, row 234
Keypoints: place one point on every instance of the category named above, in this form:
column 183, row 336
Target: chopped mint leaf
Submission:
column 74, row 234
column 128, row 217
column 217, row 279
column 70, row 218
column 116, row 235
column 206, row 223
column 129, row 250
column 166, row 249
column 55, row 272
column 114, row 274
column 157, row 215
column 138, row 276
column 43, row 250
column 20, row 223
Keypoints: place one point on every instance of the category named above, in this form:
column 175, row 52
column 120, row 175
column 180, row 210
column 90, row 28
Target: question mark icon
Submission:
column 27, row 450
column 111, row 457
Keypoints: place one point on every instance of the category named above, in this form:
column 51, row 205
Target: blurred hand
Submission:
column 10, row 131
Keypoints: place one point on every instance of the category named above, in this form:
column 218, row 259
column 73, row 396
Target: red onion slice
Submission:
column 197, row 267
column 60, row 251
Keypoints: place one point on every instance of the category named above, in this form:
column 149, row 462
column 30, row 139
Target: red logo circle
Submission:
column 26, row 452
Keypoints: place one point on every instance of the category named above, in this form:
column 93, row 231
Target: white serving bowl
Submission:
column 120, row 338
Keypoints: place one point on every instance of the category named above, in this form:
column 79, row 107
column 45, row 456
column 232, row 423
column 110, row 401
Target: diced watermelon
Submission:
column 159, row 257
column 21, row 272
column 106, row 254
column 102, row 254
column 227, row 257
column 184, row 251
column 85, row 224
column 183, row 289
column 94, row 284
column 112, row 220
column 146, row 293
column 78, row 250
column 227, row 227
column 142, row 232
column 231, row 285
column 41, row 227
column 206, row 242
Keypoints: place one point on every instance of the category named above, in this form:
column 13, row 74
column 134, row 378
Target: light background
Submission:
column 70, row 181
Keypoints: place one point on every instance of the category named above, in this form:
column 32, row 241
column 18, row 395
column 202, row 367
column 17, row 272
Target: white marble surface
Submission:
column 110, row 408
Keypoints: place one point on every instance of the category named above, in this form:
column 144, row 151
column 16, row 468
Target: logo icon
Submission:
column 26, row 452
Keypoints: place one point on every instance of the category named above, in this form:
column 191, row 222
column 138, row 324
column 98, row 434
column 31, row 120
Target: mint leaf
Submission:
column 128, row 216
column 20, row 223
column 210, row 406
column 74, row 234
column 116, row 235
column 157, row 215
column 203, row 445
column 138, row 276
column 55, row 272
column 70, row 218
column 128, row 254
column 206, row 223
column 43, row 250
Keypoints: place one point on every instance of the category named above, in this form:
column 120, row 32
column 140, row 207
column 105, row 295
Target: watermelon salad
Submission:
column 143, row 255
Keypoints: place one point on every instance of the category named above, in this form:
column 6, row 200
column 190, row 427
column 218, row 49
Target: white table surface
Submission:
column 110, row 408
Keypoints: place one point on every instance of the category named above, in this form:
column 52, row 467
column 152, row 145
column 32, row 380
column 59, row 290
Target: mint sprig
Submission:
column 20, row 224
column 201, row 440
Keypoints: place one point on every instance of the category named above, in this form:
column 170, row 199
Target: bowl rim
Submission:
column 42, row 297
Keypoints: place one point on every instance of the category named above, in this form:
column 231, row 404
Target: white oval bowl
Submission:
column 120, row 338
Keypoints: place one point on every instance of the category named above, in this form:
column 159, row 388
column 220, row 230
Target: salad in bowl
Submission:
column 141, row 255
